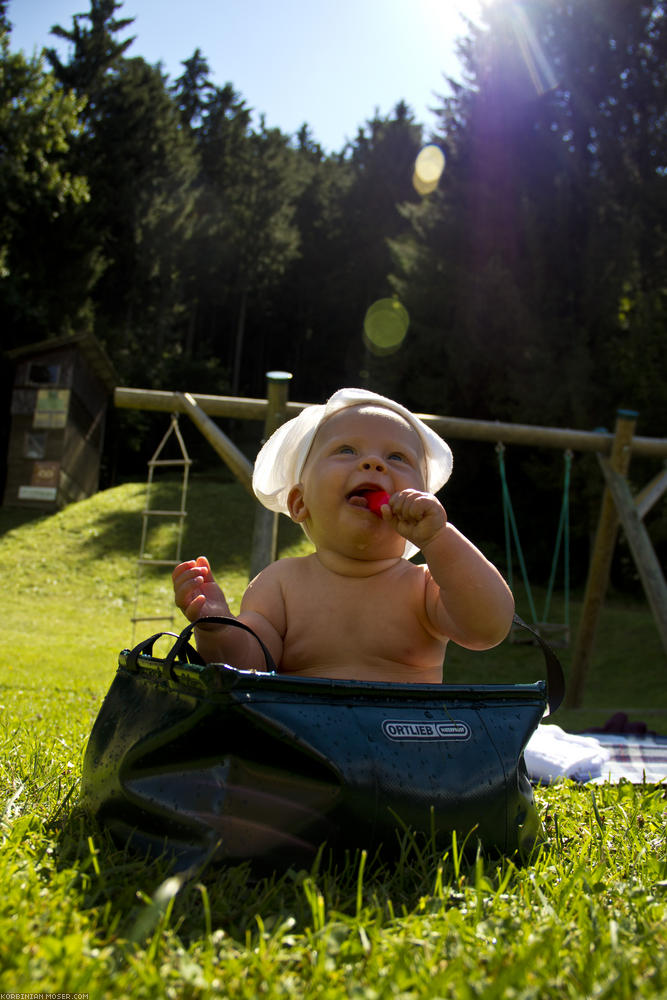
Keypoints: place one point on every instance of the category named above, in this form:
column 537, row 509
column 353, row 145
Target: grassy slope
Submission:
column 587, row 919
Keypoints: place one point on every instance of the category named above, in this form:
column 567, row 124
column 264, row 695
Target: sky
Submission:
column 329, row 63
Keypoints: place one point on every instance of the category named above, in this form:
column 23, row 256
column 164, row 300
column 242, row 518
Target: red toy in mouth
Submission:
column 370, row 498
column 376, row 501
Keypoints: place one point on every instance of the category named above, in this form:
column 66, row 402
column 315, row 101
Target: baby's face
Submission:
column 359, row 450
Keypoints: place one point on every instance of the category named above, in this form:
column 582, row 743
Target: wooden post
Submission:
column 643, row 553
column 265, row 527
column 600, row 567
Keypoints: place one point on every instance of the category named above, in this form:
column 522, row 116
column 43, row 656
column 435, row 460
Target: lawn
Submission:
column 585, row 919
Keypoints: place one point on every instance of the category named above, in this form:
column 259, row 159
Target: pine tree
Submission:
column 245, row 238
column 39, row 192
column 143, row 201
column 193, row 90
column 140, row 164
column 95, row 49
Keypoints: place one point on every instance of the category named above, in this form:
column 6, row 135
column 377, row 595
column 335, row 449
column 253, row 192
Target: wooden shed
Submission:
column 60, row 394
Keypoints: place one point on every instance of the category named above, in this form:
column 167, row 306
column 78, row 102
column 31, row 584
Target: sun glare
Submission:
column 537, row 64
column 446, row 17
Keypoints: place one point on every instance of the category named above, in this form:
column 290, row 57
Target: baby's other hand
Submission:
column 417, row 516
column 195, row 591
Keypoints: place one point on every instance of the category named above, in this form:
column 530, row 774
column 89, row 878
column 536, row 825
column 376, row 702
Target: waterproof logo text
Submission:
column 400, row 729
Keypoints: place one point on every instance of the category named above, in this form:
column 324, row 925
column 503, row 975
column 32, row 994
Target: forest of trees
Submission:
column 203, row 249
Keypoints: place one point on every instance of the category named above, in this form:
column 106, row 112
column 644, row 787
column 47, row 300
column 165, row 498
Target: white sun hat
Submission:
column 281, row 459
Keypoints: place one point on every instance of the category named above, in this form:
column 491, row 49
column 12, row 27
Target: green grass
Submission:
column 585, row 919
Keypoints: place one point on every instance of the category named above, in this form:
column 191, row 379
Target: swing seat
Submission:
column 555, row 633
column 208, row 762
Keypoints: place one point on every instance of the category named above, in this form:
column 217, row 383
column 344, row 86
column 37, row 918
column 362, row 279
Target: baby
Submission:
column 359, row 474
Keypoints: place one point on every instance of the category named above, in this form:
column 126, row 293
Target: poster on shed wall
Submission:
column 43, row 482
column 51, row 408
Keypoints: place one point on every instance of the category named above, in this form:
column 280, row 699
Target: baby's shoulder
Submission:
column 414, row 573
column 288, row 568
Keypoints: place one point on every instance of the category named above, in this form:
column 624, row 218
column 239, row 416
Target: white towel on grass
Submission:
column 552, row 754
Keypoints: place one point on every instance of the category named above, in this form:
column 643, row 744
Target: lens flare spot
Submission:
column 385, row 325
column 429, row 166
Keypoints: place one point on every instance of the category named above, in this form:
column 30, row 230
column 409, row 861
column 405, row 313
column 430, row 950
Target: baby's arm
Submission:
column 467, row 600
column 197, row 594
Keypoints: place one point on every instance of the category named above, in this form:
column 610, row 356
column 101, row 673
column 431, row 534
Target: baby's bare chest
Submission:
column 372, row 620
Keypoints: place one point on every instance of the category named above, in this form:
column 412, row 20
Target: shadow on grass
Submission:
column 15, row 517
column 143, row 891
column 218, row 523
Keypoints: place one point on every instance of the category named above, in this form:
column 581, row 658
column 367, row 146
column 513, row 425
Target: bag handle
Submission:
column 145, row 648
column 182, row 643
column 555, row 676
column 182, row 649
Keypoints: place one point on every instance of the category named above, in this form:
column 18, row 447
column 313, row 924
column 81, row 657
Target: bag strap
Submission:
column 182, row 642
column 145, row 648
column 183, row 650
column 554, row 670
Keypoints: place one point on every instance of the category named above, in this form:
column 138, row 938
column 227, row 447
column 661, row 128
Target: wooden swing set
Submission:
column 613, row 450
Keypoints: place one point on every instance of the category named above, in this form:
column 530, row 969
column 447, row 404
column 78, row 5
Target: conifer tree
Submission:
column 95, row 48
column 140, row 165
column 193, row 90
column 39, row 191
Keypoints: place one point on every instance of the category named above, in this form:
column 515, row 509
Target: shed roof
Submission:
column 87, row 343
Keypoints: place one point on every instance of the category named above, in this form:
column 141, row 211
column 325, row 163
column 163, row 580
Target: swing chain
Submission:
column 511, row 530
column 562, row 538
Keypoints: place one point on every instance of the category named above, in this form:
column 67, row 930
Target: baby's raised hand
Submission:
column 417, row 516
column 195, row 591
